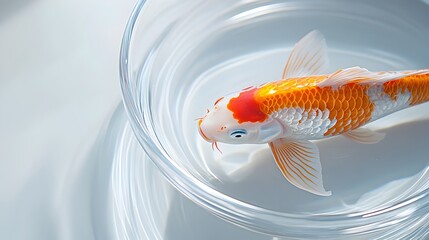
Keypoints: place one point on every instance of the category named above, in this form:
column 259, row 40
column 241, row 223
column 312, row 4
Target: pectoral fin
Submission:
column 300, row 164
column 364, row 136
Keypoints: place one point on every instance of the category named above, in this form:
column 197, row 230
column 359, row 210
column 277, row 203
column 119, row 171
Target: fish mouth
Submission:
column 214, row 143
column 201, row 131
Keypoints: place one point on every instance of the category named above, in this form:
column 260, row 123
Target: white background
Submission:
column 59, row 83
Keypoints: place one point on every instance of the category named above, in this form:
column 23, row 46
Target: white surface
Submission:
column 58, row 84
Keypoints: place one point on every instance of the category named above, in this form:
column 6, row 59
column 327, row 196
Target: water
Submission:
column 243, row 170
column 174, row 70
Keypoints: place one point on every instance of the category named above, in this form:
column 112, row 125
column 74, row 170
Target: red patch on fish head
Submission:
column 245, row 108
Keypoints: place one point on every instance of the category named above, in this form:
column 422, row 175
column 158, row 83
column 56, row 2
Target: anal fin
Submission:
column 364, row 136
column 299, row 162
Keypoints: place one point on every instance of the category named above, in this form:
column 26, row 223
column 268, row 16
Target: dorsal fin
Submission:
column 344, row 76
column 308, row 57
column 362, row 75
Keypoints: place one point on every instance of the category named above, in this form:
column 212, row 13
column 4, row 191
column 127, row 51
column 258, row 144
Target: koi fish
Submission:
column 306, row 105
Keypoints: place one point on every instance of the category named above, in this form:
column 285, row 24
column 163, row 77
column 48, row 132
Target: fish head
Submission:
column 220, row 125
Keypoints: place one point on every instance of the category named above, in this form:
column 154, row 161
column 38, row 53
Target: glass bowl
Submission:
column 178, row 57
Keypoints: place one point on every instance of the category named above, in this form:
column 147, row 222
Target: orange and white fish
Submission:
column 305, row 106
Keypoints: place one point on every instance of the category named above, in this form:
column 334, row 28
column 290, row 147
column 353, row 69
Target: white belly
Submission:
column 300, row 124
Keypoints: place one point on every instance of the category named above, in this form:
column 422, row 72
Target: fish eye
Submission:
column 238, row 133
